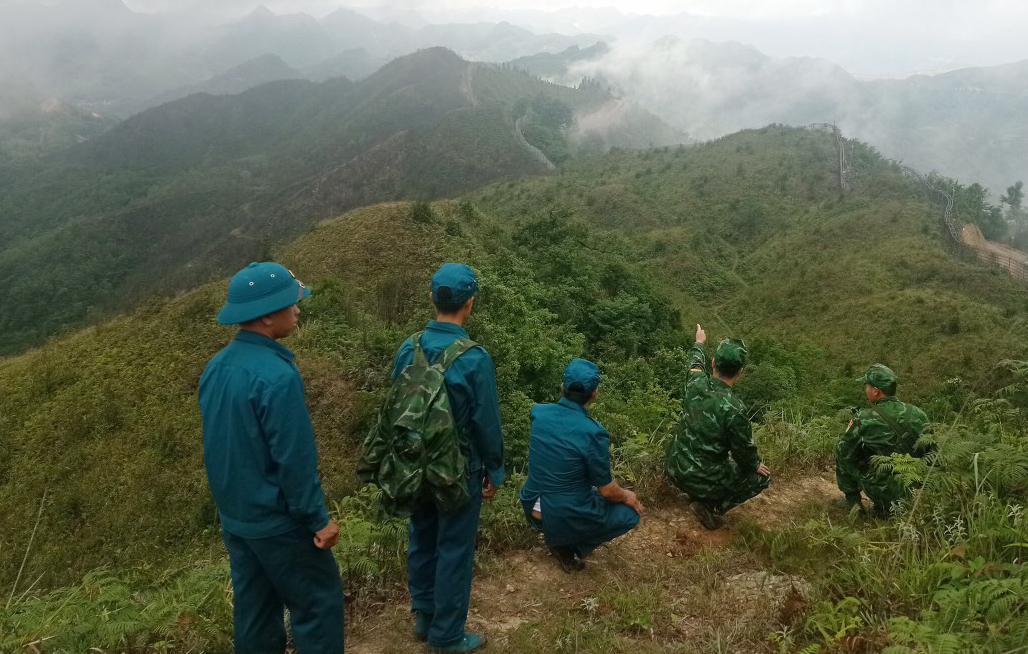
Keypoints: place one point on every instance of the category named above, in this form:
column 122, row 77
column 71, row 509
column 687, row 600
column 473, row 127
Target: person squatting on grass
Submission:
column 887, row 427
column 569, row 454
column 441, row 551
column 714, row 424
column 262, row 466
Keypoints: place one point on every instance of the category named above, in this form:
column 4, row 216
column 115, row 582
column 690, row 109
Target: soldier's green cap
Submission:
column 731, row 352
column 880, row 376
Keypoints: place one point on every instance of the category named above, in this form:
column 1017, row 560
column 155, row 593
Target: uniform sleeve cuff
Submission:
column 318, row 523
column 497, row 475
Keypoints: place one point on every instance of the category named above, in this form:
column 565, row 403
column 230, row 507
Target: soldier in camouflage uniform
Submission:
column 714, row 424
column 888, row 426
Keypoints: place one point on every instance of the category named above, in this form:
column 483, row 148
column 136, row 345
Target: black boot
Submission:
column 707, row 517
column 569, row 559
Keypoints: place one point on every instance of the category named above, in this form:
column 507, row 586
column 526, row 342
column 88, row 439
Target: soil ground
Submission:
column 668, row 586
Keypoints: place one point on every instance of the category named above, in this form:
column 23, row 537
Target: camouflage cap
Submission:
column 731, row 352
column 880, row 376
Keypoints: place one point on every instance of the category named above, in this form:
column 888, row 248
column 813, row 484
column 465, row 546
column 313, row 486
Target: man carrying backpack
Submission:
column 440, row 556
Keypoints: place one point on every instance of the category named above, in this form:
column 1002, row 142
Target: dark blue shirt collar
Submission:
column 448, row 327
column 574, row 406
column 247, row 336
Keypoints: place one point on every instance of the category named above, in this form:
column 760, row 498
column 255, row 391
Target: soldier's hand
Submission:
column 632, row 500
column 327, row 537
column 488, row 490
column 763, row 470
column 701, row 336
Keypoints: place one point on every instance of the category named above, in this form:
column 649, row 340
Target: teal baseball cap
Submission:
column 454, row 283
column 259, row 289
column 583, row 372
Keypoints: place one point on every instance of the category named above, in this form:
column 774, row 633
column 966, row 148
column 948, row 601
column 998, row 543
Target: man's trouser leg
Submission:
column 288, row 570
column 847, row 476
column 440, row 561
column 620, row 519
column 737, row 491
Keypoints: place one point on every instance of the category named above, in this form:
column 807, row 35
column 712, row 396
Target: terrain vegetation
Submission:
column 614, row 257
column 195, row 186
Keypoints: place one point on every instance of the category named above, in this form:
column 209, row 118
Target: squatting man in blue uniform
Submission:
column 262, row 465
column 441, row 551
column 568, row 455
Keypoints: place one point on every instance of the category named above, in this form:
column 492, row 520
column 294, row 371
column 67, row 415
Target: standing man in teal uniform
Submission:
column 712, row 457
column 262, row 465
column 569, row 455
column 441, row 553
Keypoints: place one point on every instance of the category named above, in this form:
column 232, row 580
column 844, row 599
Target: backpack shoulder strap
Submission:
column 892, row 422
column 419, row 354
column 454, row 350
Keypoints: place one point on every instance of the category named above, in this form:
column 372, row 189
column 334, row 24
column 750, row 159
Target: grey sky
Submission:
column 958, row 15
column 870, row 38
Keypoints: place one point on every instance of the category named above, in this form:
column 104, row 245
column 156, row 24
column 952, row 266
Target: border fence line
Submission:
column 966, row 238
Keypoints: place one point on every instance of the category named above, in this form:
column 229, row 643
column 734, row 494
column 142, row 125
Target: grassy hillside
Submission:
column 200, row 186
column 616, row 258
column 751, row 234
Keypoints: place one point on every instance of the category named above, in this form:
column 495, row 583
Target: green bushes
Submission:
column 948, row 573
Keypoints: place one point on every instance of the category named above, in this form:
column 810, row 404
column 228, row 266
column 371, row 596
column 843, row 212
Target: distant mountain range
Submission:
column 100, row 55
column 967, row 124
column 206, row 183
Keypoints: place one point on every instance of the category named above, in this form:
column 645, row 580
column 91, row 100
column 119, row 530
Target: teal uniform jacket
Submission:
column 569, row 455
column 471, row 383
column 258, row 443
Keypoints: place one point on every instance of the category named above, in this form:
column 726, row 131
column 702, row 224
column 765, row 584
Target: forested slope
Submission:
column 200, row 186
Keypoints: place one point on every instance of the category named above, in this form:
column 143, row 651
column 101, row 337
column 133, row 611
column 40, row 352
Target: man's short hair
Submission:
column 445, row 303
column 889, row 390
column 729, row 369
column 577, row 393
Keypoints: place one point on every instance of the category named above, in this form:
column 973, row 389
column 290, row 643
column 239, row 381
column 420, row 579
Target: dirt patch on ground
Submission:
column 695, row 594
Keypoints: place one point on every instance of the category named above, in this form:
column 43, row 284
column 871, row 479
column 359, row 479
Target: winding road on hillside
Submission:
column 535, row 152
column 524, row 592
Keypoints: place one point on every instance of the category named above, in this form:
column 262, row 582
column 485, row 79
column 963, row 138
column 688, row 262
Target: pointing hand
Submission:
column 701, row 336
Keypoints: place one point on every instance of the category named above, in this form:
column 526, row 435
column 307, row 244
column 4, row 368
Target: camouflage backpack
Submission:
column 414, row 452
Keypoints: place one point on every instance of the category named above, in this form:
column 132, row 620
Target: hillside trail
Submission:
column 1015, row 261
column 540, row 156
column 516, row 594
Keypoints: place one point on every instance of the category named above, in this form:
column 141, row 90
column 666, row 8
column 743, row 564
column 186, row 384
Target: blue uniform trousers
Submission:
column 583, row 526
column 285, row 571
column 440, row 560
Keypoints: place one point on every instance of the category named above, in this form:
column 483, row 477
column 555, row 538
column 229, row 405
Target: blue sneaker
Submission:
column 469, row 643
column 421, row 624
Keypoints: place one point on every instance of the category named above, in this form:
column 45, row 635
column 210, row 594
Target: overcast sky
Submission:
column 870, row 38
column 970, row 14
